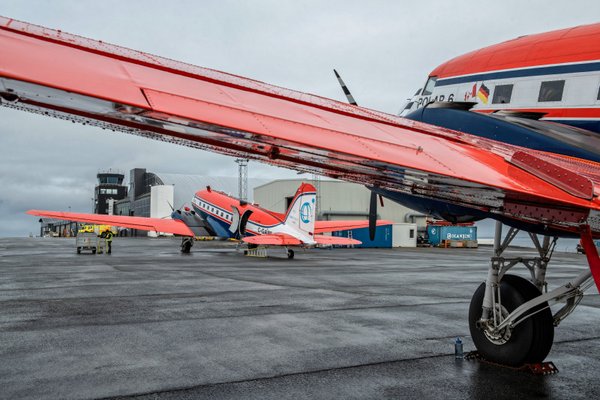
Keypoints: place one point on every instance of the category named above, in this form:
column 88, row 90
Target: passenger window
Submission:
column 551, row 91
column 502, row 94
column 428, row 89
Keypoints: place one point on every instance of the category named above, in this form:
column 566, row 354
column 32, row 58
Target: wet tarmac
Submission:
column 150, row 322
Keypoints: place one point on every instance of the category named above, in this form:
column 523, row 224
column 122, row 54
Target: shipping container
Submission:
column 438, row 233
column 383, row 236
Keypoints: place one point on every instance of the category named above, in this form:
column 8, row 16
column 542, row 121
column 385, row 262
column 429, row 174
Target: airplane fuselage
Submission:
column 216, row 208
column 559, row 75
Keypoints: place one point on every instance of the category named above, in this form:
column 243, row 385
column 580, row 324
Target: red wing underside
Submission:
column 71, row 77
column 141, row 223
column 281, row 239
column 333, row 226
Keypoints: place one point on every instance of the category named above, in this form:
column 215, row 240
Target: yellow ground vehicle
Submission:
column 88, row 238
column 97, row 229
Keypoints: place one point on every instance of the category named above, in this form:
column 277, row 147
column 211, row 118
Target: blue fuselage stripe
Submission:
column 520, row 73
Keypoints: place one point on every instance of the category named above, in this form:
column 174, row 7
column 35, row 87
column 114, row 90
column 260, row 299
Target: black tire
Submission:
column 290, row 254
column 186, row 247
column 530, row 341
column 79, row 250
column 93, row 251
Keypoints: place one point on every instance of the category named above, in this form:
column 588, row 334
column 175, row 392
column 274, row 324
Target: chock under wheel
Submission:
column 543, row 368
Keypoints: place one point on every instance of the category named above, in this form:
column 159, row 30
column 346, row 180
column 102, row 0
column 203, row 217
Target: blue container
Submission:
column 383, row 236
column 438, row 233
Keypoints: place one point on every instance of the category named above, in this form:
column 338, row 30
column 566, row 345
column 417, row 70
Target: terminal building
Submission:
column 109, row 189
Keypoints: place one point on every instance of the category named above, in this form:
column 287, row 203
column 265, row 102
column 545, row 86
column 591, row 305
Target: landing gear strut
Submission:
column 510, row 319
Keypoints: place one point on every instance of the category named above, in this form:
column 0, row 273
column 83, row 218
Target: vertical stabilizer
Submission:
column 301, row 214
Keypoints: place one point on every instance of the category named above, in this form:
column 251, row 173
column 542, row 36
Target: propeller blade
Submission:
column 372, row 215
column 235, row 220
column 244, row 221
column 170, row 205
column 373, row 201
column 345, row 89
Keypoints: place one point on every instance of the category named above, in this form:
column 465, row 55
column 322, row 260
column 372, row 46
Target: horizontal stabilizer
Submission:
column 280, row 239
column 331, row 240
column 175, row 227
column 333, row 226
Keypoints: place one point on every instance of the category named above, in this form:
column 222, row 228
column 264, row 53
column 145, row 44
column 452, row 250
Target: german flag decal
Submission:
column 483, row 93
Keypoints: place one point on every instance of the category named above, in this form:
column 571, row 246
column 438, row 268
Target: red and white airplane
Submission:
column 438, row 171
column 233, row 218
column 554, row 73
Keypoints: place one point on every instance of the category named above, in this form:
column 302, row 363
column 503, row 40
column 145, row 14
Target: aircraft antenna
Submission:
column 242, row 178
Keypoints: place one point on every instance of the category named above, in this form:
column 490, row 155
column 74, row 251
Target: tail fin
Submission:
column 301, row 214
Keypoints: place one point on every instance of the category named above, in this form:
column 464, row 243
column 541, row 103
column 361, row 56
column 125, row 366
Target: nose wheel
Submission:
column 290, row 254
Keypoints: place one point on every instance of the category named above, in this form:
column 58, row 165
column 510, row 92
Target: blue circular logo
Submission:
column 305, row 211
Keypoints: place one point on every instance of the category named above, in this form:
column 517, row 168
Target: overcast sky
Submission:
column 383, row 49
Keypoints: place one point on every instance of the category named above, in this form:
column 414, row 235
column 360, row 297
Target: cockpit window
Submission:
column 428, row 89
column 419, row 92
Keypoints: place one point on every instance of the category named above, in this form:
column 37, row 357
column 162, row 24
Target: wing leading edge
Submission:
column 146, row 224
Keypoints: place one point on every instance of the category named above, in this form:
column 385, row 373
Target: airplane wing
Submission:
column 278, row 239
column 145, row 224
column 332, row 226
column 425, row 167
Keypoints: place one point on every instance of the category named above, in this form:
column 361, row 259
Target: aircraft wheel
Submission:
column 186, row 246
column 79, row 250
column 529, row 342
column 290, row 253
column 93, row 251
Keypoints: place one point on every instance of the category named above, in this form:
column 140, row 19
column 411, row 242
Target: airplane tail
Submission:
column 301, row 214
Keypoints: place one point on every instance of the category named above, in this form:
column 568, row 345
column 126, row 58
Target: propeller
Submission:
column 239, row 222
column 373, row 199
column 345, row 89
column 373, row 213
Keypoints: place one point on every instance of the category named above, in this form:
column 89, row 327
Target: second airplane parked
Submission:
column 233, row 218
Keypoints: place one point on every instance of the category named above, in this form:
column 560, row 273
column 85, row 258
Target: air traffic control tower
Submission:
column 109, row 189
